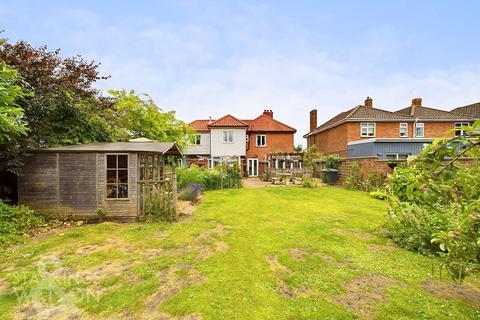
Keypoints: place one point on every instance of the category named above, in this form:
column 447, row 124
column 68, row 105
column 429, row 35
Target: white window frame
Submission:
column 404, row 125
column 396, row 155
column 368, row 126
column 262, row 137
column 198, row 139
column 458, row 128
column 228, row 136
column 417, row 126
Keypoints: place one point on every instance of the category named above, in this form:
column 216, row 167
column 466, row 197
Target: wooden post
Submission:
column 174, row 191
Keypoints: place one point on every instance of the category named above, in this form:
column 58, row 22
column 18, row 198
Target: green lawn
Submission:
column 272, row 253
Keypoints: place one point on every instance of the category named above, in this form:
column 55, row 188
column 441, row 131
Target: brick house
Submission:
column 390, row 135
column 249, row 141
column 471, row 110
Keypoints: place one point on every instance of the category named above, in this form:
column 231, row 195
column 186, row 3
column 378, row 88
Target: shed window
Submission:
column 367, row 129
column 117, row 176
column 404, row 130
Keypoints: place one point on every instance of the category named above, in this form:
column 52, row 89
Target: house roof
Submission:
column 200, row 125
column 425, row 113
column 261, row 123
column 268, row 124
column 361, row 113
column 228, row 121
column 471, row 110
column 131, row 146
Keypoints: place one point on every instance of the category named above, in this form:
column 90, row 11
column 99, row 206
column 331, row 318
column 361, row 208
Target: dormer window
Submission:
column 367, row 129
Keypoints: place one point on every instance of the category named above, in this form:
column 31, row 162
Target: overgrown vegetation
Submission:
column 190, row 193
column 332, row 161
column 160, row 205
column 16, row 221
column 308, row 182
column 434, row 204
column 355, row 180
column 225, row 176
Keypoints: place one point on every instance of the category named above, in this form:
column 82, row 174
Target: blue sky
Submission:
column 208, row 58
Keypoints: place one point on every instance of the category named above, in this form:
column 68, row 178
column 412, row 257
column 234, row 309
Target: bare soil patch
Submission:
column 466, row 292
column 365, row 293
column 172, row 280
column 283, row 288
column 301, row 254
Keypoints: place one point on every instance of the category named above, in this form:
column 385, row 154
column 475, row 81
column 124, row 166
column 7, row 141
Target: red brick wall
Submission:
column 335, row 140
column 276, row 142
column 367, row 166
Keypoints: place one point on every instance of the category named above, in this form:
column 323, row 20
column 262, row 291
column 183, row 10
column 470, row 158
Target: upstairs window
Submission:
column 228, row 136
column 367, row 129
column 404, row 130
column 198, row 139
column 117, row 176
column 419, row 130
column 261, row 140
column 459, row 128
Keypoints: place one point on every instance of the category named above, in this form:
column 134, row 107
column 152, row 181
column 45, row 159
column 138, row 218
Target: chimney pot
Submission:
column 268, row 112
column 313, row 120
column 369, row 102
column 416, row 102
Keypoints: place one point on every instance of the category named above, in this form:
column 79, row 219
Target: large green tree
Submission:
column 139, row 116
column 12, row 124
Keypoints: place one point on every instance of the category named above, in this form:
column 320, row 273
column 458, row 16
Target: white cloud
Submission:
column 241, row 66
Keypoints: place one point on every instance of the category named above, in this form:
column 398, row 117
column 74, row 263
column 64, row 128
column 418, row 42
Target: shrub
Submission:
column 353, row 180
column 100, row 214
column 434, row 204
column 190, row 193
column 308, row 183
column 15, row 221
column 223, row 176
column 332, row 161
column 381, row 195
column 160, row 207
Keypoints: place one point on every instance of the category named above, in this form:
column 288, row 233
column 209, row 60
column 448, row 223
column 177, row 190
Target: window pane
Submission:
column 123, row 161
column 111, row 161
column 122, row 176
column 225, row 136
column 391, row 157
column 230, row 136
column 111, row 191
column 123, row 191
column 111, row 176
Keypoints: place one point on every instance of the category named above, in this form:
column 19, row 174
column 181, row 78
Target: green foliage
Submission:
column 332, row 161
column 11, row 115
column 308, row 183
column 139, row 116
column 380, row 195
column 160, row 206
column 100, row 214
column 298, row 148
column 356, row 181
column 434, row 204
column 310, row 155
column 224, row 176
column 15, row 221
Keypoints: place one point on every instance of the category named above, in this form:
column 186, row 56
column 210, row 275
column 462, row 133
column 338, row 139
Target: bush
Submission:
column 380, row 195
column 190, row 193
column 353, row 180
column 15, row 221
column 332, row 161
column 308, row 183
column 434, row 205
column 223, row 176
column 160, row 207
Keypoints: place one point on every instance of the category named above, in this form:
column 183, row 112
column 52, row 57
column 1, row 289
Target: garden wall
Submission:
column 367, row 166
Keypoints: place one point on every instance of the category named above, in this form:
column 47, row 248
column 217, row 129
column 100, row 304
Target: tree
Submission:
column 63, row 108
column 11, row 115
column 310, row 155
column 298, row 148
column 139, row 116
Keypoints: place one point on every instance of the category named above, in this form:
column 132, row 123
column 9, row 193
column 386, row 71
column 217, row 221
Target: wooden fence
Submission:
column 161, row 191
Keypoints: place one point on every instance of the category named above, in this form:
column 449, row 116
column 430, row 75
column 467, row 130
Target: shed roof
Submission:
column 132, row 146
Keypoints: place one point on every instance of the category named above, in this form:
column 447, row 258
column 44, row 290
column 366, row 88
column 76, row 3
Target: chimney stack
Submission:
column 416, row 102
column 369, row 102
column 313, row 120
column 268, row 113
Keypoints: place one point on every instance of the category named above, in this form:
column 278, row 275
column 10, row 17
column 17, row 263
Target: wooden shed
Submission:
column 75, row 180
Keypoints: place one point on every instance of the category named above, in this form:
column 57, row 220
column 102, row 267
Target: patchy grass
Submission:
column 271, row 253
